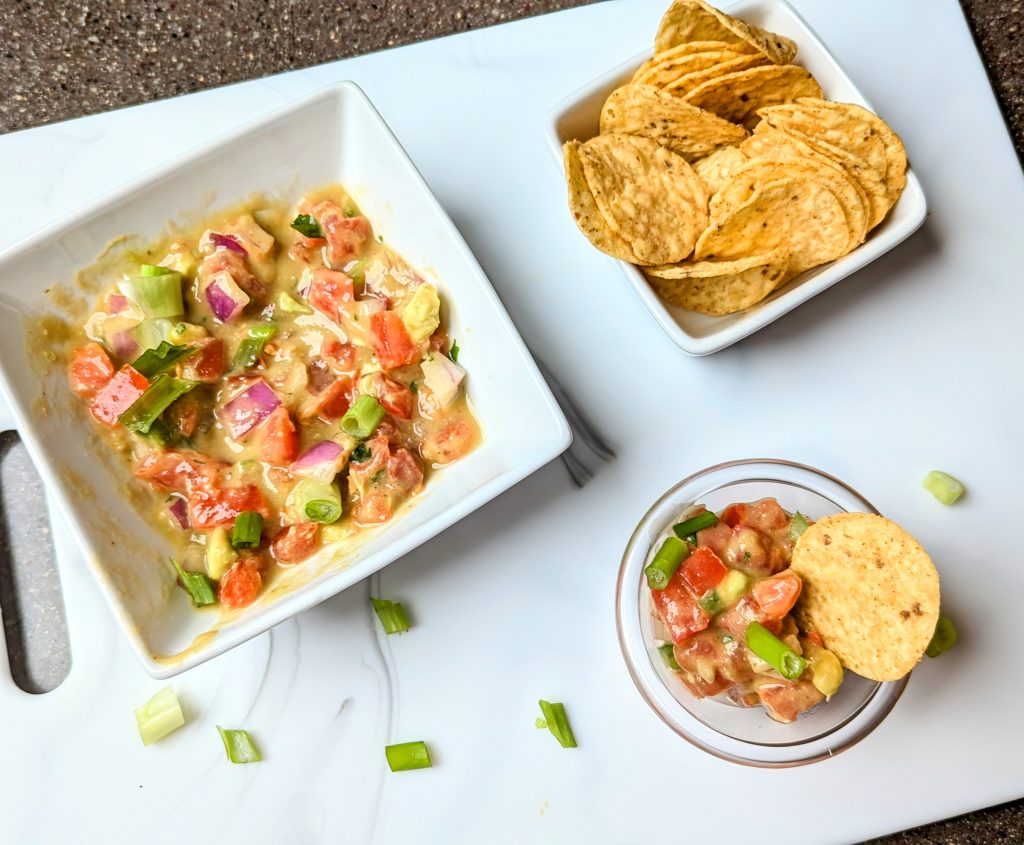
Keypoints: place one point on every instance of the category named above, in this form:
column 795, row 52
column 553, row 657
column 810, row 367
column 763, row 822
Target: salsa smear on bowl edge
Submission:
column 281, row 377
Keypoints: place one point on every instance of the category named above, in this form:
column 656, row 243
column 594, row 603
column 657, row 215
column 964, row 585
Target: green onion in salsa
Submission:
column 197, row 585
column 688, row 528
column 251, row 347
column 774, row 652
column 362, row 418
column 156, row 399
column 152, row 362
column 671, row 554
column 247, row 530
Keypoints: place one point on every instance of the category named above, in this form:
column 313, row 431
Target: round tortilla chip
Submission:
column 584, row 211
column 717, row 288
column 870, row 591
column 738, row 96
column 683, row 85
column 667, row 67
column 687, row 130
column 744, row 180
column 798, row 214
column 695, row 20
column 649, row 195
column 715, row 168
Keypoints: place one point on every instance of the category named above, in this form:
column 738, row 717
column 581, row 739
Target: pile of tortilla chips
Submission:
column 722, row 171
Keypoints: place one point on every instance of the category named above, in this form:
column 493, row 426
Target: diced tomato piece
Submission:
column 738, row 617
column 345, row 235
column 276, row 440
column 341, row 356
column 404, row 470
column 734, row 515
column 766, row 515
column 679, row 609
column 451, row 442
column 90, row 369
column 785, row 700
column 439, row 341
column 703, row 571
column 331, row 293
column 118, row 395
column 181, row 471
column 715, row 538
column 699, row 688
column 331, row 403
column 704, row 656
column 377, row 506
column 207, row 363
column 183, row 415
column 209, row 507
column 240, row 585
column 776, row 596
column 815, row 638
column 397, row 399
column 390, row 340
column 296, row 542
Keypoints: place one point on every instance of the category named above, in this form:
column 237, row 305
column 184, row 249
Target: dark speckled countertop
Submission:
column 60, row 60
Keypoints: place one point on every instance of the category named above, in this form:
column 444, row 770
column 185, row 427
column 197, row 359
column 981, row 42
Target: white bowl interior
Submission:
column 577, row 117
column 274, row 155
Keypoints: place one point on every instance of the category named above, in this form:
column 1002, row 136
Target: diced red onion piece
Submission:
column 227, row 242
column 124, row 344
column 225, row 298
column 320, row 461
column 248, row 409
column 117, row 303
column 373, row 305
column 443, row 377
column 178, row 509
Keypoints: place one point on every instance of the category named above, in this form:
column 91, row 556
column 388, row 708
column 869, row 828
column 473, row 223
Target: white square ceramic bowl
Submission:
column 696, row 334
column 523, row 426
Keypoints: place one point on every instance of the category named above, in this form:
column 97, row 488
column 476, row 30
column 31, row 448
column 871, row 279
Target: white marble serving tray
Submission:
column 912, row 364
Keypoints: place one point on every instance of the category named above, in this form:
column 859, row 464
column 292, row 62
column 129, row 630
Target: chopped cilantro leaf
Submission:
column 305, row 224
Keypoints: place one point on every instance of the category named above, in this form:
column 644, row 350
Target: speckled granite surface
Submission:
column 60, row 60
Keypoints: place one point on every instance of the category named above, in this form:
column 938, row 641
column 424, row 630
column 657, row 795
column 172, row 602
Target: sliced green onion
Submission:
column 362, row 418
column 668, row 657
column 798, row 526
column 317, row 501
column 660, row 571
column 252, row 345
column 558, row 723
column 247, row 530
column 159, row 716
column 392, row 615
column 158, row 296
column 360, row 453
column 239, row 746
column 943, row 639
column 407, row 756
column 453, row 353
column 774, row 652
column 306, row 225
column 688, row 528
column 145, row 410
column 540, row 723
column 155, row 270
column 351, row 209
column 290, row 305
column 711, row 603
column 943, row 486
column 358, row 271
column 152, row 362
column 197, row 585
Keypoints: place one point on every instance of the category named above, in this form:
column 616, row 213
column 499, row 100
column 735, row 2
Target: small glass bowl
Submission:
column 742, row 734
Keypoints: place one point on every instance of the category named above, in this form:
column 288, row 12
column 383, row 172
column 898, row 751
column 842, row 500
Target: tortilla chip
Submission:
column 738, row 96
column 695, row 20
column 715, row 168
column 683, row 85
column 687, row 130
column 798, row 214
column 870, row 591
column 649, row 195
column 717, row 288
column 667, row 67
column 744, row 180
column 584, row 211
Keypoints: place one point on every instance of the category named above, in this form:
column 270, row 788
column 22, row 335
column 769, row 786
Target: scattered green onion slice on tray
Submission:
column 197, row 585
column 689, row 527
column 392, row 615
column 247, row 530
column 943, row 639
column 239, row 746
column 159, row 716
column 362, row 418
column 558, row 723
column 667, row 560
column 406, row 756
column 943, row 486
column 774, row 652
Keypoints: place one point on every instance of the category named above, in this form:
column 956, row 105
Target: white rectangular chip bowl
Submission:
column 697, row 334
column 523, row 426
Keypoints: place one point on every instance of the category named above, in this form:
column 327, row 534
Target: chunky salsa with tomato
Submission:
column 722, row 594
column 281, row 378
